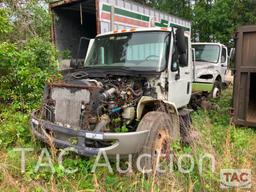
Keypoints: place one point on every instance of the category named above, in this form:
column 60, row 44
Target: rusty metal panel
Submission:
column 249, row 49
column 244, row 94
column 246, row 46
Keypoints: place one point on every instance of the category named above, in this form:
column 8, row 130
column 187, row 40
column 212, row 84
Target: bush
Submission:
column 25, row 71
column 5, row 25
column 14, row 128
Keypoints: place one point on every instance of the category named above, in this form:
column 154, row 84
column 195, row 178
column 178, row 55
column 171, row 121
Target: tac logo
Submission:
column 235, row 178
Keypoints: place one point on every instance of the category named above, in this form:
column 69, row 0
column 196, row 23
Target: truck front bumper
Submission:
column 123, row 143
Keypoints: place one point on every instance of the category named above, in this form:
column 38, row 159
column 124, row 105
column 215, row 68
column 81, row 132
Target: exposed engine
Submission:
column 98, row 105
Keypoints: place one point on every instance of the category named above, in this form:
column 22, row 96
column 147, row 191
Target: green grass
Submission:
column 232, row 147
column 202, row 87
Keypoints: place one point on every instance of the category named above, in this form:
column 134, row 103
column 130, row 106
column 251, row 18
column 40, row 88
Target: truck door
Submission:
column 180, row 82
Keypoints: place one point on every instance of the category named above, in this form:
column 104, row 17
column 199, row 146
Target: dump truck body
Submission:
column 244, row 94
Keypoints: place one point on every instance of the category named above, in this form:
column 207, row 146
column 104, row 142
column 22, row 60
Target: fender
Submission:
column 216, row 74
column 169, row 106
column 147, row 100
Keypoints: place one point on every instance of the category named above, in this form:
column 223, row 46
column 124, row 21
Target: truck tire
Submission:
column 162, row 134
column 216, row 91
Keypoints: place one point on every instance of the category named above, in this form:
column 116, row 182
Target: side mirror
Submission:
column 182, row 47
column 183, row 59
column 180, row 40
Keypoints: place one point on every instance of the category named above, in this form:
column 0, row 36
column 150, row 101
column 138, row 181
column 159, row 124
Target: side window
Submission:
column 176, row 57
column 186, row 40
column 223, row 55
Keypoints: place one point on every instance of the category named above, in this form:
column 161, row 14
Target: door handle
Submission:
column 187, row 73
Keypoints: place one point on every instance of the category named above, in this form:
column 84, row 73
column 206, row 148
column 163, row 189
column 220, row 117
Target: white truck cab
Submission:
column 210, row 67
column 175, row 80
column 129, row 78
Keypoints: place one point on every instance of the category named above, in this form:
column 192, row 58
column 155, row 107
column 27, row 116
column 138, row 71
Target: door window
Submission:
column 223, row 55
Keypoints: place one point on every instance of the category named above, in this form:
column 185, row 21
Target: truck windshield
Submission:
column 139, row 51
column 207, row 53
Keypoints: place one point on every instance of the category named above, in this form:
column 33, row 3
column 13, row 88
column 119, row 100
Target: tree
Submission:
column 217, row 20
column 223, row 25
column 202, row 20
column 29, row 19
column 27, row 57
column 180, row 8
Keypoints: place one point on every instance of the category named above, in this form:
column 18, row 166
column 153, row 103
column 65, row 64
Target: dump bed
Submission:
column 73, row 19
column 244, row 96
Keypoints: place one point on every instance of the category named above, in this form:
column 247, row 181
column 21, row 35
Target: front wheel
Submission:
column 216, row 91
column 157, row 148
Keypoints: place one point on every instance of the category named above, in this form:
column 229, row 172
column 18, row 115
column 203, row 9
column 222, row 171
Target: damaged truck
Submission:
column 129, row 93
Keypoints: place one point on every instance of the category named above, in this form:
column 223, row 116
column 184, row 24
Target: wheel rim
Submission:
column 216, row 92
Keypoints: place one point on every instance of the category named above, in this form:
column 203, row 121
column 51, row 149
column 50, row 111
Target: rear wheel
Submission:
column 157, row 148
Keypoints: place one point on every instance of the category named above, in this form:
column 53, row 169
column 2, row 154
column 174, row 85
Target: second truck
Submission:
column 210, row 67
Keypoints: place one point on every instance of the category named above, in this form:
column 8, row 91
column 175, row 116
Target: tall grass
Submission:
column 232, row 147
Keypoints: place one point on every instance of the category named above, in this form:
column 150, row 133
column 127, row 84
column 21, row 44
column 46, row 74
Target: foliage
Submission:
column 212, row 21
column 25, row 71
column 13, row 129
column 29, row 19
column 180, row 8
column 5, row 25
column 218, row 20
column 26, row 60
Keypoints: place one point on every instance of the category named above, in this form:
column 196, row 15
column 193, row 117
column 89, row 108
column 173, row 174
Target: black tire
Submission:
column 163, row 131
column 217, row 89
